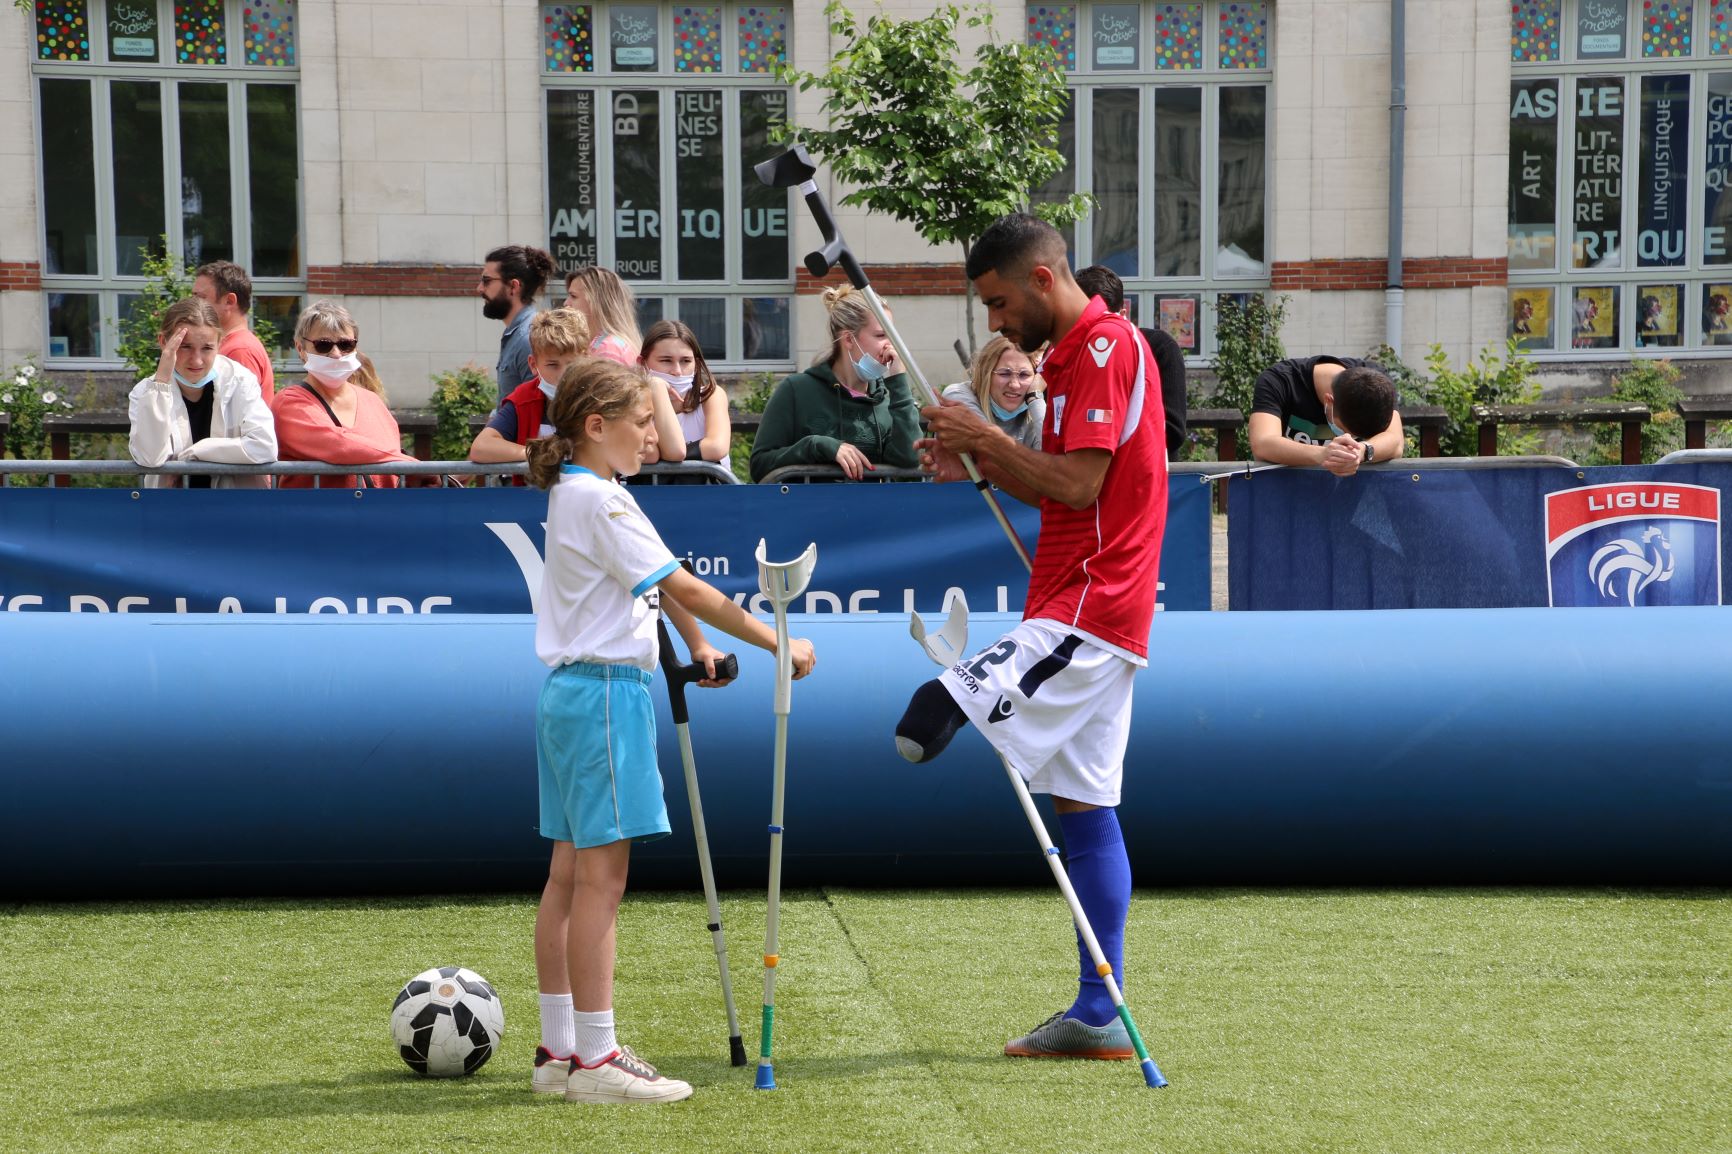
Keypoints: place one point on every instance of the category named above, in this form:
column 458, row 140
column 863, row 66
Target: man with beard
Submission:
column 510, row 279
column 1053, row 695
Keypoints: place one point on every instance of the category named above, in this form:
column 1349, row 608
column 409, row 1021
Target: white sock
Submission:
column 558, row 1034
column 595, row 1039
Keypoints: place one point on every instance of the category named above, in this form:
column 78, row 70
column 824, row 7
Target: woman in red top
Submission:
column 328, row 418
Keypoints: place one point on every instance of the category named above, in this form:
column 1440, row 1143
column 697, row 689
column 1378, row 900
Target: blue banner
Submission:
column 1498, row 537
column 881, row 548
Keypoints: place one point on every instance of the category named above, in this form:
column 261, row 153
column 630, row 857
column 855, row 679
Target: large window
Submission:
column 1620, row 150
column 655, row 115
column 1168, row 129
column 156, row 119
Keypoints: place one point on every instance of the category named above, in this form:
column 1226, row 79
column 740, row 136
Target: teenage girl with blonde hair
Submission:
column 611, row 309
column 846, row 409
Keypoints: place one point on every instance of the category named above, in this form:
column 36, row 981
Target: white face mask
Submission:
column 548, row 388
column 680, row 385
column 336, row 370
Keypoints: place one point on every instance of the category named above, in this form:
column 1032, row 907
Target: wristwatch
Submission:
column 1370, row 453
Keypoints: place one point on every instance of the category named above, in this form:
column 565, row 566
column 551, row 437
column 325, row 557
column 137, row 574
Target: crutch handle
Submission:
column 679, row 676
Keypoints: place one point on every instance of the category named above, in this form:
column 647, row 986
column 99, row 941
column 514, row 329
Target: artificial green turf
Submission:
column 1287, row 1021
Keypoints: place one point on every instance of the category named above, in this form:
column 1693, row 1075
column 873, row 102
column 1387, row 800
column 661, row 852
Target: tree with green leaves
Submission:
column 166, row 279
column 918, row 137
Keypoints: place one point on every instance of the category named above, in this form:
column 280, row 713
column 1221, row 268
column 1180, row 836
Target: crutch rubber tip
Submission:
column 1152, row 1074
column 770, row 960
column 766, row 1078
column 736, row 1051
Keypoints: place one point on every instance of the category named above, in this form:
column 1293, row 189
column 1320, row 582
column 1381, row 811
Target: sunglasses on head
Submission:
column 344, row 346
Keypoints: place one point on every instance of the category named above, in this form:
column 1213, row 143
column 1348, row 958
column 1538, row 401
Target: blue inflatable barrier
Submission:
column 259, row 755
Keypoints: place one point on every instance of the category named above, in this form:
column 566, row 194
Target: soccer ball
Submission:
column 447, row 1022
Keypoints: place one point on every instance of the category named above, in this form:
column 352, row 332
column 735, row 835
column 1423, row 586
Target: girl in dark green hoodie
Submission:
column 846, row 409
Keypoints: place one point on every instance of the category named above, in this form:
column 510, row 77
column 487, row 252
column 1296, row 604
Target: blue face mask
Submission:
column 199, row 384
column 868, row 366
column 1008, row 414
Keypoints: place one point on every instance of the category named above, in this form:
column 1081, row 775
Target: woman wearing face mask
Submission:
column 199, row 405
column 1002, row 383
column 326, row 418
column 847, row 409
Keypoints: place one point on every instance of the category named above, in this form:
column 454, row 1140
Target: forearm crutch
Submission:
column 946, row 646
column 678, row 677
column 780, row 584
column 794, row 169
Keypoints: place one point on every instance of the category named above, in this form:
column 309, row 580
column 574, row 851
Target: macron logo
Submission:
column 1101, row 349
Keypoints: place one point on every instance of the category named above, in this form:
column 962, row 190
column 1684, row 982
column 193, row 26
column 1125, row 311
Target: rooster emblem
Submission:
column 1638, row 564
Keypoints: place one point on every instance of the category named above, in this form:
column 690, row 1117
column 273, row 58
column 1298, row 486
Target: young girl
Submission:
column 672, row 354
column 596, row 744
column 199, row 405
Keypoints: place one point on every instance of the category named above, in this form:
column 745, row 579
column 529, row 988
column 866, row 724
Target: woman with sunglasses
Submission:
column 329, row 418
column 1004, row 389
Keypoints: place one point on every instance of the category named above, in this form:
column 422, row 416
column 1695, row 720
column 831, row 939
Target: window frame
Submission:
column 1206, row 285
column 1631, row 278
column 732, row 287
column 100, row 72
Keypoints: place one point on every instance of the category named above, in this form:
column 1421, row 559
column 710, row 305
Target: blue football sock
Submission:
column 1100, row 872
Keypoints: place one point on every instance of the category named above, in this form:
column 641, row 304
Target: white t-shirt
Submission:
column 692, row 424
column 598, row 594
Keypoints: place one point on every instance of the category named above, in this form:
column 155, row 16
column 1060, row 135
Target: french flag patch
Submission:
column 1098, row 416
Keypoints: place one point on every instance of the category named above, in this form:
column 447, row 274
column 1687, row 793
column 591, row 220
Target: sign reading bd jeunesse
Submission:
column 1633, row 543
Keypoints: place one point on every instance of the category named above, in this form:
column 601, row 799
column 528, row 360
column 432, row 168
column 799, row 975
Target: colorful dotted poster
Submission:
column 268, row 33
column 62, row 30
column 568, row 37
column 1533, row 31
column 1178, row 30
column 1244, row 35
column 1055, row 26
column 697, row 39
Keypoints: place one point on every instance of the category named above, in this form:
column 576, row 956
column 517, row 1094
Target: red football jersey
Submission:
column 1095, row 569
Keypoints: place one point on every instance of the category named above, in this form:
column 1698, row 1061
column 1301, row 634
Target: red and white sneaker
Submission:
column 550, row 1072
column 623, row 1077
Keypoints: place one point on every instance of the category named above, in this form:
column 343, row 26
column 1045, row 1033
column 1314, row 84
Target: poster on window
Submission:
column 1717, row 314
column 1533, row 174
column 1115, row 35
column 632, row 35
column 571, row 177
column 1657, row 316
column 1530, row 317
column 1602, row 26
column 1599, row 172
column 1663, row 191
column 1594, row 317
column 1178, row 319
column 1717, row 172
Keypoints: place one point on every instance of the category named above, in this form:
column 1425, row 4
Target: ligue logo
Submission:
column 1633, row 543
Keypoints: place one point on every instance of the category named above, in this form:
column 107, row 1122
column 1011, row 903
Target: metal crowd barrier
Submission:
column 808, row 474
column 1696, row 457
column 660, row 473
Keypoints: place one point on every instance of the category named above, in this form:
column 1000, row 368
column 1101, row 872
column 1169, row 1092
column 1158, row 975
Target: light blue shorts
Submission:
column 596, row 754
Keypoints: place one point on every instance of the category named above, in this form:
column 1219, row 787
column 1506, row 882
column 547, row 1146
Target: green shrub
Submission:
column 26, row 396
column 1655, row 384
column 748, row 395
column 1492, row 380
column 166, row 280
column 459, row 394
column 1247, row 341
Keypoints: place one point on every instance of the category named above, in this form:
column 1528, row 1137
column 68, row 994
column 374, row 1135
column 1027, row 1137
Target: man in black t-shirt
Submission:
column 1100, row 281
column 1335, row 412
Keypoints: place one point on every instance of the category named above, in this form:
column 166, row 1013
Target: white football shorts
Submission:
column 1055, row 705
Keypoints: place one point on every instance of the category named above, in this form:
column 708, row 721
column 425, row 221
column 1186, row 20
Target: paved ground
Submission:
column 1218, row 561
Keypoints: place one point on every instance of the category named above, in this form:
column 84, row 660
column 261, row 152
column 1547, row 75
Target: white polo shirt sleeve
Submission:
column 627, row 545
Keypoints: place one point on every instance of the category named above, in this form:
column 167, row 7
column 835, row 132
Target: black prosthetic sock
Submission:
column 931, row 720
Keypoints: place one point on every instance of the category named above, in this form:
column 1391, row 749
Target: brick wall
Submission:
column 1371, row 274
column 395, row 280
column 20, row 276
column 892, row 280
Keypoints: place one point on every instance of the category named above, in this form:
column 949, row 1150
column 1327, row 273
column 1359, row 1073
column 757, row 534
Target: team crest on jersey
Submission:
column 1633, row 543
column 1057, row 416
column 1101, row 349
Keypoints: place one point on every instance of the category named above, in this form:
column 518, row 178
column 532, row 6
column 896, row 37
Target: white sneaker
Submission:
column 624, row 1077
column 550, row 1072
